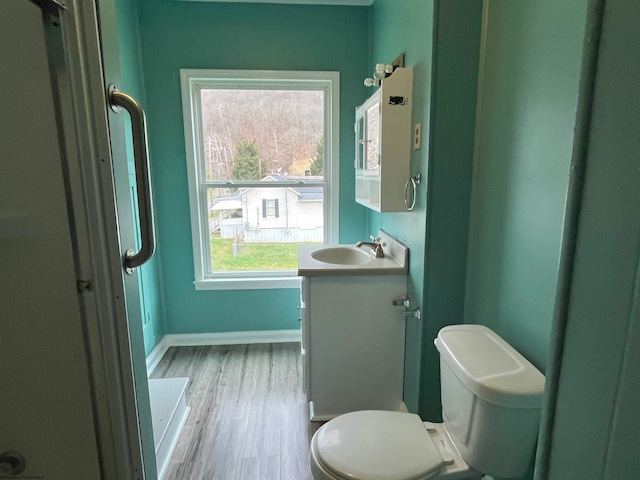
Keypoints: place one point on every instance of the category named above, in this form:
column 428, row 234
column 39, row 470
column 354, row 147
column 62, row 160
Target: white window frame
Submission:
column 192, row 83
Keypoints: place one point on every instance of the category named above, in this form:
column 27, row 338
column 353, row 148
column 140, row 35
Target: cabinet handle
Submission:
column 415, row 313
column 402, row 302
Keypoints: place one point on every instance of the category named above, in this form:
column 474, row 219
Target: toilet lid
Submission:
column 378, row 445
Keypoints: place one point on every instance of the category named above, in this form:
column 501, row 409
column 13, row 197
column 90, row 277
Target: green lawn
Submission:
column 253, row 256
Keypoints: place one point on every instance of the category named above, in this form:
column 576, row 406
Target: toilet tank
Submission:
column 491, row 399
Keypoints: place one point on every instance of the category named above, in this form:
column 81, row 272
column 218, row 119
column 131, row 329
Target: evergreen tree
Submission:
column 317, row 164
column 247, row 164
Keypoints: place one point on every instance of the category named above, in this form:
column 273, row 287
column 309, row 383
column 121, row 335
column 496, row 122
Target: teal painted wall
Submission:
column 525, row 136
column 454, row 98
column 131, row 71
column 406, row 27
column 441, row 42
column 596, row 429
column 525, row 133
column 177, row 35
column 131, row 74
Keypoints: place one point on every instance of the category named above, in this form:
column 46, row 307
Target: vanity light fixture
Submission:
column 383, row 70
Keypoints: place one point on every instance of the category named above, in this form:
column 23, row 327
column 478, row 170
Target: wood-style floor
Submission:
column 249, row 417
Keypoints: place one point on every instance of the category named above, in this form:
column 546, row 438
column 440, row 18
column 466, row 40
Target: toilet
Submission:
column 491, row 400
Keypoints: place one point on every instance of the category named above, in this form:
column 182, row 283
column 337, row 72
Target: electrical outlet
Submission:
column 417, row 136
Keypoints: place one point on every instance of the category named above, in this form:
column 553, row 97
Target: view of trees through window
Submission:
column 266, row 136
column 279, row 127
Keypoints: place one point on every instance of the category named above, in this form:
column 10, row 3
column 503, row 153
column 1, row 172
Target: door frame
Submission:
column 82, row 109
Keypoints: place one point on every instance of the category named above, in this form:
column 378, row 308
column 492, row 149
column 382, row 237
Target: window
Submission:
column 262, row 159
column 270, row 207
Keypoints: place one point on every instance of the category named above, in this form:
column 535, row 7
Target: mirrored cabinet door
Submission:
column 372, row 122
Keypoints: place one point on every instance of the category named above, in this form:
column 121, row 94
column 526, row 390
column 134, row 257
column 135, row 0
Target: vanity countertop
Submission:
column 395, row 261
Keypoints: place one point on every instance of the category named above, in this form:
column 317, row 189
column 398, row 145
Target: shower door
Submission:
column 74, row 398
column 47, row 427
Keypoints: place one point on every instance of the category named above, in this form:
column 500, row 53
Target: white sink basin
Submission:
column 347, row 260
column 342, row 255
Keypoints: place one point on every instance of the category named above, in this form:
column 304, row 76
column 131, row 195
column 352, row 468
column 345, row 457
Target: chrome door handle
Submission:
column 132, row 260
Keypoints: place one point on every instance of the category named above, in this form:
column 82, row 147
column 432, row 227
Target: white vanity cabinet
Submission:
column 383, row 143
column 353, row 341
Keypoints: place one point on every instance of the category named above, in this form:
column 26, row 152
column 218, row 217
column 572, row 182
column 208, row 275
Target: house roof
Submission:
column 309, row 194
column 233, row 200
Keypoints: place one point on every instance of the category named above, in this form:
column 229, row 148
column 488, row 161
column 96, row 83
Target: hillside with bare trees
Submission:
column 284, row 126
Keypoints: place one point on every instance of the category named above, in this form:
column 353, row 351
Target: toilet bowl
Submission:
column 381, row 445
column 491, row 400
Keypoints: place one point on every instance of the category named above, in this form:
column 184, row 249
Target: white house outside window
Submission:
column 262, row 159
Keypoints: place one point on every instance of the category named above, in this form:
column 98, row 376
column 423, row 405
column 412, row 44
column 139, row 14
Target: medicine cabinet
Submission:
column 383, row 143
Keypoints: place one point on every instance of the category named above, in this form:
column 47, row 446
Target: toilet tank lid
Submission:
column 490, row 367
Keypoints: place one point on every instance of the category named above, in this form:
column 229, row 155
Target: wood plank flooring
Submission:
column 249, row 417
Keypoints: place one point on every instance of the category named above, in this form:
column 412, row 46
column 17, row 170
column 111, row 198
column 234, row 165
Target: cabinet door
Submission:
column 356, row 344
column 360, row 141
column 372, row 138
column 368, row 131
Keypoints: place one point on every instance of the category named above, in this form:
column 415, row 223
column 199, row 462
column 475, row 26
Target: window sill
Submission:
column 262, row 283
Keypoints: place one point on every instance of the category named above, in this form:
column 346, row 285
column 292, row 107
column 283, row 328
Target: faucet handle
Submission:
column 378, row 241
column 374, row 239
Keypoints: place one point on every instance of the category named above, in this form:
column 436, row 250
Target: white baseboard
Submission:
column 330, row 416
column 224, row 338
column 156, row 354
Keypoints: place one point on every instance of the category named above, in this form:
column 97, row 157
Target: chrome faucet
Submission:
column 375, row 245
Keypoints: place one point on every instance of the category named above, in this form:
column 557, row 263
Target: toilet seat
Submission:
column 378, row 445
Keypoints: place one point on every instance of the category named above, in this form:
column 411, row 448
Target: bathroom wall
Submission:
column 177, row 35
column 440, row 40
column 406, row 27
column 524, row 142
column 131, row 74
column 595, row 431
